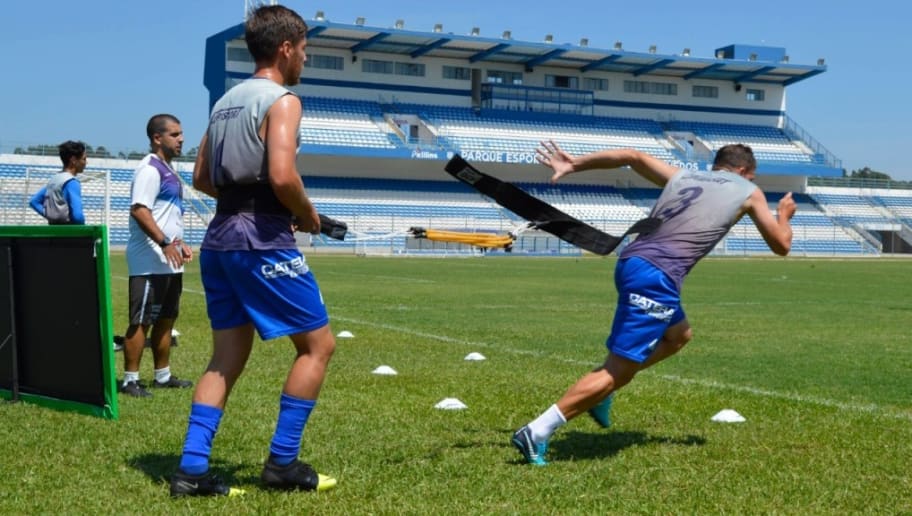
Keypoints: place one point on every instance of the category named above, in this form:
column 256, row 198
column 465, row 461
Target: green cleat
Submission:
column 601, row 413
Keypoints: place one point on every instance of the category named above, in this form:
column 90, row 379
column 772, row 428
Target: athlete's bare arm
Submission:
column 281, row 136
column 776, row 231
column 562, row 163
column 202, row 176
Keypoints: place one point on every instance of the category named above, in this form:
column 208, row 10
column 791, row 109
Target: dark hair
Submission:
column 735, row 156
column 157, row 124
column 70, row 149
column 268, row 27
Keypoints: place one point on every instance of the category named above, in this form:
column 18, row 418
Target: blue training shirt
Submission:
column 72, row 193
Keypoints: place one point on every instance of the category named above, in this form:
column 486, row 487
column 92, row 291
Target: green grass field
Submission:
column 816, row 354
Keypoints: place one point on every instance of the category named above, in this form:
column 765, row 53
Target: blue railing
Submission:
column 796, row 132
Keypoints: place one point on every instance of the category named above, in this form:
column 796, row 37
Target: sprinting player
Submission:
column 60, row 201
column 254, row 276
column 697, row 209
column 156, row 254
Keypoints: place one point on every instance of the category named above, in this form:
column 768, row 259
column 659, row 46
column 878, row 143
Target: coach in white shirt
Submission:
column 156, row 254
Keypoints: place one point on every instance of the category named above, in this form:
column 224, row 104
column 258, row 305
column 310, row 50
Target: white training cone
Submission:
column 345, row 334
column 728, row 416
column 450, row 404
column 474, row 356
column 385, row 370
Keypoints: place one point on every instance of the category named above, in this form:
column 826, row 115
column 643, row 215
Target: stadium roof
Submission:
column 753, row 67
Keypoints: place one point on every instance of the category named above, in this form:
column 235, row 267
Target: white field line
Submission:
column 869, row 408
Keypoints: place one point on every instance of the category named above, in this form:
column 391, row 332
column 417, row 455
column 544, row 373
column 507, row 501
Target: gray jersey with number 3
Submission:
column 697, row 209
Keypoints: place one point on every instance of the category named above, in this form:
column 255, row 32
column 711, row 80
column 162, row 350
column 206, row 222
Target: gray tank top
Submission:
column 248, row 215
column 56, row 209
column 697, row 209
column 236, row 153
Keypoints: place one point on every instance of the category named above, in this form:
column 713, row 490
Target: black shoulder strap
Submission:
column 541, row 214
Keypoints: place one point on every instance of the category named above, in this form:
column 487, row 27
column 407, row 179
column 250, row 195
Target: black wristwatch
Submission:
column 165, row 242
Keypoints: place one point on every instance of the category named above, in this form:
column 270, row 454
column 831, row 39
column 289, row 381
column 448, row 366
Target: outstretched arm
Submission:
column 776, row 231
column 562, row 163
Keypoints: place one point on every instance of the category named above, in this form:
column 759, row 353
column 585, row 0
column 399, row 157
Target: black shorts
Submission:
column 155, row 296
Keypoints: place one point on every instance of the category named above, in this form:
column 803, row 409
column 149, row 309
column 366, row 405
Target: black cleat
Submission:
column 206, row 484
column 135, row 389
column 172, row 383
column 297, row 475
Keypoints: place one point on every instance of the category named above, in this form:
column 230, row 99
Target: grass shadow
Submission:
column 588, row 445
column 160, row 466
column 580, row 445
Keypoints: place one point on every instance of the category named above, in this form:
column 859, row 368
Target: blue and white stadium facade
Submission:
column 385, row 108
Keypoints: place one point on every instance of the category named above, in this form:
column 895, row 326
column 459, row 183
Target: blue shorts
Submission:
column 272, row 289
column 648, row 303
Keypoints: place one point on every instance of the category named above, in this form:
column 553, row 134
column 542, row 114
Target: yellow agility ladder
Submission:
column 488, row 240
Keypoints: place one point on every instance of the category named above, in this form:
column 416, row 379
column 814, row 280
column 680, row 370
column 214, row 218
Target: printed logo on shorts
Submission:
column 652, row 308
column 291, row 268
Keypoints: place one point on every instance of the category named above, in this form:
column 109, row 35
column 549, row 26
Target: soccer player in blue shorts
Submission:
column 254, row 276
column 697, row 209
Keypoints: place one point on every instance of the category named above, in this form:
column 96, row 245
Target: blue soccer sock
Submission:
column 201, row 428
column 286, row 442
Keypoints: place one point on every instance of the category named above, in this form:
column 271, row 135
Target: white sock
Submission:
column 546, row 424
column 130, row 376
column 163, row 375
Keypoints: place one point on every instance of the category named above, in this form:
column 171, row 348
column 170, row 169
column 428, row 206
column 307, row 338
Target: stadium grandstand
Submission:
column 385, row 108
